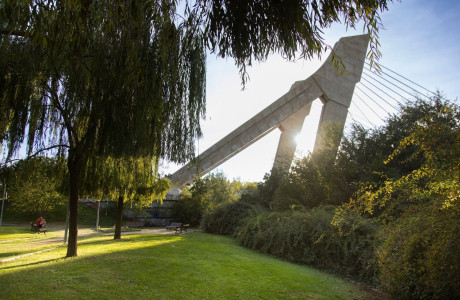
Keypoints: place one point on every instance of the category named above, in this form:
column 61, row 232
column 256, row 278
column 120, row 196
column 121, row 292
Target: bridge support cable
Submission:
column 369, row 107
column 362, row 124
column 411, row 88
column 364, row 116
column 384, row 86
column 378, row 90
column 405, row 78
column 353, row 118
column 378, row 94
column 388, row 81
column 372, row 99
column 400, row 85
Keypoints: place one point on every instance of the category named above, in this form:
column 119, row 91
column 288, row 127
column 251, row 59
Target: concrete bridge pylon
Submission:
column 333, row 85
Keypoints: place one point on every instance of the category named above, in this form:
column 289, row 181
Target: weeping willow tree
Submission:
column 107, row 78
column 127, row 78
column 127, row 179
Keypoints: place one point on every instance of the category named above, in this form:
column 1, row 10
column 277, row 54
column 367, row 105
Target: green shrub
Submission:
column 226, row 218
column 188, row 210
column 308, row 237
column 204, row 196
column 419, row 256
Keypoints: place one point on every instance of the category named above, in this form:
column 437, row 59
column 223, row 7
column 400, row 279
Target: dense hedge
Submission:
column 308, row 237
column 226, row 218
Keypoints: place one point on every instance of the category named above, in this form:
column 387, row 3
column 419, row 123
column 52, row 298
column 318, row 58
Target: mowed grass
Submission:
column 189, row 266
column 19, row 240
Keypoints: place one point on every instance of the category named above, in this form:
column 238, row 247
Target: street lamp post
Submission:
column 3, row 203
column 97, row 217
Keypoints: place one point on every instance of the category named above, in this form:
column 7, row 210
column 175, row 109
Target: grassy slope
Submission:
column 191, row 266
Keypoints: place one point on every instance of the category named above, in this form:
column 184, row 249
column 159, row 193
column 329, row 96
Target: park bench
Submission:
column 35, row 228
column 178, row 227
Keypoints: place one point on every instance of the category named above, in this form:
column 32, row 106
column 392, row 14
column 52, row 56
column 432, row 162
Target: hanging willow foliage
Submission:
column 251, row 30
column 133, row 178
column 116, row 77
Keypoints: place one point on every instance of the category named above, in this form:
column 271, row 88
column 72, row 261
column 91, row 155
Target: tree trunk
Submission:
column 74, row 164
column 117, row 235
column 66, row 232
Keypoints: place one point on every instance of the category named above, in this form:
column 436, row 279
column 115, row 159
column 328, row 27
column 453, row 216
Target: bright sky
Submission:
column 421, row 41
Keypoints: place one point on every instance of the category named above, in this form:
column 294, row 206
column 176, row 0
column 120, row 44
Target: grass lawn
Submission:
column 19, row 240
column 189, row 266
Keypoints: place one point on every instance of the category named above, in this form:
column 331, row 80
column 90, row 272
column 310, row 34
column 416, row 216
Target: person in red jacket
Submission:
column 41, row 222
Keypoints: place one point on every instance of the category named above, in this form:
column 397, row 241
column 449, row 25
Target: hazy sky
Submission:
column 421, row 41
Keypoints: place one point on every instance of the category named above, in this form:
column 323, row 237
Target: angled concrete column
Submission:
column 338, row 88
column 331, row 123
column 287, row 145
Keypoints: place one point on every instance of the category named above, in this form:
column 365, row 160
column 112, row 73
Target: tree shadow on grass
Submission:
column 30, row 264
column 108, row 239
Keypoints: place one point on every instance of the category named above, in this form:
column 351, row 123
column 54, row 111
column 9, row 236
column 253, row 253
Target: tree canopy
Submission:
column 36, row 185
column 112, row 77
column 205, row 195
column 133, row 178
column 249, row 31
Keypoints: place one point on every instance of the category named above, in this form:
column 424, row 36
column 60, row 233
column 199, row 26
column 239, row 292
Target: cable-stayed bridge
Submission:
column 359, row 95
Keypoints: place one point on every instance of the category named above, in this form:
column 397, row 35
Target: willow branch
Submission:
column 6, row 31
column 57, row 104
column 48, row 148
column 36, row 153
